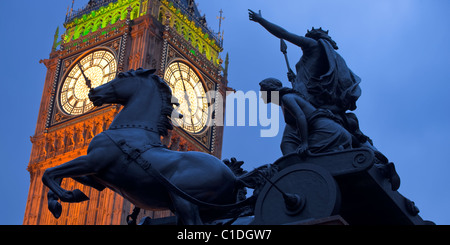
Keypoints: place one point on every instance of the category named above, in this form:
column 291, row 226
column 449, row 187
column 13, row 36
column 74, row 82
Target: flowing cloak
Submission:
column 339, row 86
column 326, row 133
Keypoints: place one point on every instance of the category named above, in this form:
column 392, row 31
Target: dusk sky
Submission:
column 399, row 49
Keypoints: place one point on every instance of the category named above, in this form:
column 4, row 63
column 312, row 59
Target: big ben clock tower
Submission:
column 101, row 40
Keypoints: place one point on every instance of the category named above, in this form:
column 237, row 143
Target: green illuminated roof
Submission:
column 99, row 14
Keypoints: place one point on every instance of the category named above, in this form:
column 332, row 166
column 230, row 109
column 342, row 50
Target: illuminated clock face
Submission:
column 89, row 71
column 188, row 88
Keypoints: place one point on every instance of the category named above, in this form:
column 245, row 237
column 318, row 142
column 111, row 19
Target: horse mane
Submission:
column 168, row 101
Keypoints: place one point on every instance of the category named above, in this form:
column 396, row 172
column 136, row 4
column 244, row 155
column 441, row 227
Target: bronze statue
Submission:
column 318, row 130
column 130, row 159
column 322, row 74
column 322, row 78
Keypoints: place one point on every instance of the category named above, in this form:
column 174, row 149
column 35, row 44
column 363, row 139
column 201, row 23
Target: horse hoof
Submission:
column 74, row 196
column 79, row 196
column 55, row 208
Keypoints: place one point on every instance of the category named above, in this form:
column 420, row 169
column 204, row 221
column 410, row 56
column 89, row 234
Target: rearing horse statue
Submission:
column 148, row 106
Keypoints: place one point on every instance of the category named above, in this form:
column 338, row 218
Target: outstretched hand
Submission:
column 256, row 17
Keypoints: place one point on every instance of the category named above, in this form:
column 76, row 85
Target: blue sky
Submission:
column 398, row 48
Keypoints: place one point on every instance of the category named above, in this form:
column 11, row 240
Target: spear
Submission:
column 283, row 49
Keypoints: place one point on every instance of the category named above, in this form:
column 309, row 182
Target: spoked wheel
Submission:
column 299, row 192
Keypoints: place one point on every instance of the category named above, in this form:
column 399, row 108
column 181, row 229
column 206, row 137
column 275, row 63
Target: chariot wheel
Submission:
column 299, row 192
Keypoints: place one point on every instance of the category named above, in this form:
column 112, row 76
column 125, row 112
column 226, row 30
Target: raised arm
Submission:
column 302, row 42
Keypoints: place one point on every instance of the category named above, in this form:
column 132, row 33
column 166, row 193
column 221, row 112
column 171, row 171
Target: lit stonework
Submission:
column 104, row 38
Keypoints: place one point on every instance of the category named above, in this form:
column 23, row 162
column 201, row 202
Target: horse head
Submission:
column 120, row 89
column 153, row 98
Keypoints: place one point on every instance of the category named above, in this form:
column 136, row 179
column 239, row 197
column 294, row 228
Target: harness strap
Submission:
column 140, row 126
column 135, row 155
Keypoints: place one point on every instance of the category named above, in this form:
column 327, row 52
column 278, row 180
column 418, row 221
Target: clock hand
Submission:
column 192, row 121
column 88, row 82
column 186, row 96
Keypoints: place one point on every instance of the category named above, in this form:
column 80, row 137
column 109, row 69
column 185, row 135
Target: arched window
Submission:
column 135, row 12
column 106, row 21
column 79, row 32
column 183, row 32
column 97, row 25
column 203, row 50
column 115, row 17
column 161, row 15
column 176, row 26
column 88, row 28
column 124, row 14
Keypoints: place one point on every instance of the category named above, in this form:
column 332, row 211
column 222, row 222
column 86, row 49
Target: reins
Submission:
column 135, row 154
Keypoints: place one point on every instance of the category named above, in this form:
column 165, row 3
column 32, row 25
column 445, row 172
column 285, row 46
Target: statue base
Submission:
column 332, row 220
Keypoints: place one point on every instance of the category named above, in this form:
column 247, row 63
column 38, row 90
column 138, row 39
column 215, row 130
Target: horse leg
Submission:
column 187, row 213
column 52, row 199
column 53, row 205
column 89, row 181
column 52, row 179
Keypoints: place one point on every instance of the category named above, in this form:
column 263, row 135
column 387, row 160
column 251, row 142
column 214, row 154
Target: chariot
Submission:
column 356, row 185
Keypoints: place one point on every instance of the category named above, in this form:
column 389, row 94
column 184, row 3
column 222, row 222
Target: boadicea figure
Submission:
column 322, row 78
column 322, row 74
column 318, row 130
column 129, row 158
